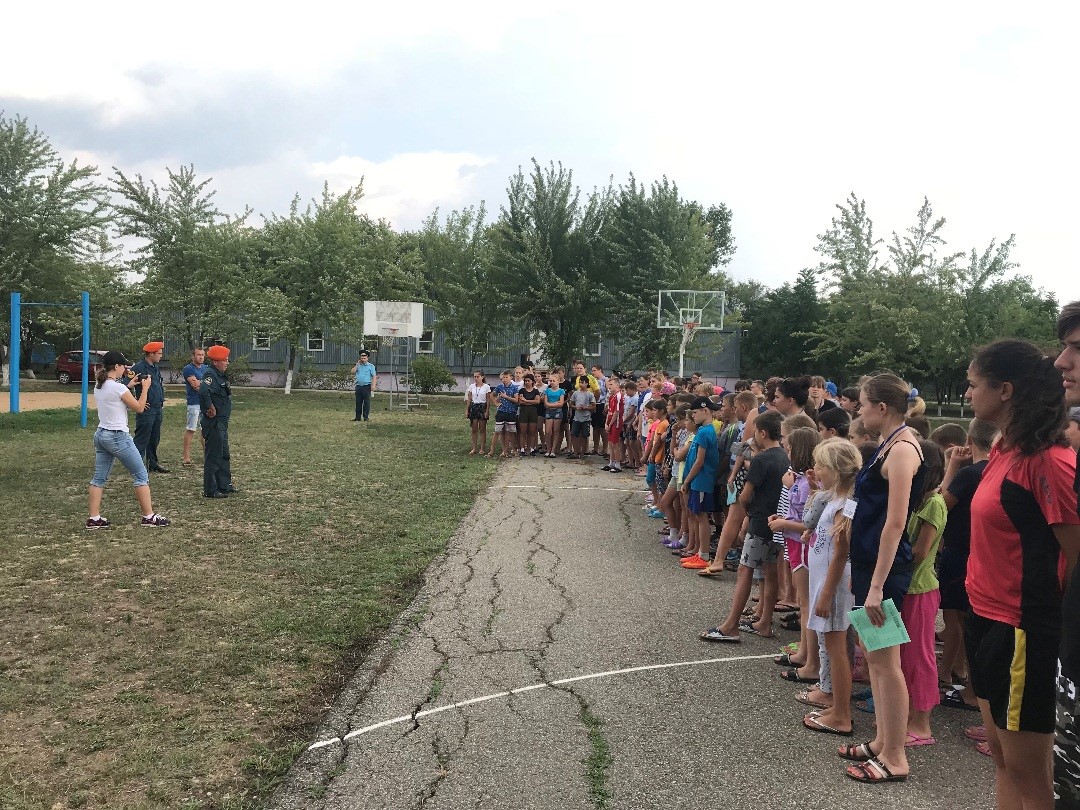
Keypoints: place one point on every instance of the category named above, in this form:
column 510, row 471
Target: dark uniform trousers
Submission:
column 148, row 434
column 215, row 392
column 217, row 475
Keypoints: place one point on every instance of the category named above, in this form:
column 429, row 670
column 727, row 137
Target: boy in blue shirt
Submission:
column 702, row 460
column 505, row 397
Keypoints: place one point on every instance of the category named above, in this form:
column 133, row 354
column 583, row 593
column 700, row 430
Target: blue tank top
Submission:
column 872, row 494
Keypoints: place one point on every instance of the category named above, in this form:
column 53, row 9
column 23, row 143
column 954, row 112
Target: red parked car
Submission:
column 69, row 366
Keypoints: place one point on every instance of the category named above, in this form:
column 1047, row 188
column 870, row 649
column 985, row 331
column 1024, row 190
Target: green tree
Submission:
column 321, row 263
column 547, row 259
column 781, row 324
column 51, row 213
column 655, row 241
column 198, row 268
column 459, row 283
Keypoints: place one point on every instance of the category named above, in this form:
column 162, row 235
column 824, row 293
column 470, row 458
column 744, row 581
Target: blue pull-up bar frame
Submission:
column 15, row 353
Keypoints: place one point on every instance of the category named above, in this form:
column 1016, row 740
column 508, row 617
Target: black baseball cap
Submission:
column 704, row 402
column 113, row 359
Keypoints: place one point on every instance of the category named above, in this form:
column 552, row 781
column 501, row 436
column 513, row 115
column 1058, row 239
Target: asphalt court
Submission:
column 570, row 636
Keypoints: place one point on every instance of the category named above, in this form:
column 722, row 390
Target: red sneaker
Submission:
column 695, row 562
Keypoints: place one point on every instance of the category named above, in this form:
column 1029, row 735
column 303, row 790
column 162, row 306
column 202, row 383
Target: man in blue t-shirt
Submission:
column 193, row 373
column 702, row 459
column 366, row 382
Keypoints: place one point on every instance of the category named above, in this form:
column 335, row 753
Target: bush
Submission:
column 431, row 375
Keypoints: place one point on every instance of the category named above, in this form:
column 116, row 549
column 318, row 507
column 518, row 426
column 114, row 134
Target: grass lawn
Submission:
column 184, row 667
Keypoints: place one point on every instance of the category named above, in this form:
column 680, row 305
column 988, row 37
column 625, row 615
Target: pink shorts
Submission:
column 798, row 554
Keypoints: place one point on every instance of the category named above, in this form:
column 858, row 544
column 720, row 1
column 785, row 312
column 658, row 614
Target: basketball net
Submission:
column 391, row 333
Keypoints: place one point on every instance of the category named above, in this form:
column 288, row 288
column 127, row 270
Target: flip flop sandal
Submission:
column 815, row 724
column 784, row 660
column 705, row 572
column 746, row 627
column 856, row 753
column 715, row 634
column 793, row 676
column 915, row 740
column 954, row 700
column 784, row 607
column 790, row 648
column 976, row 733
column 984, row 748
column 804, row 698
column 873, row 770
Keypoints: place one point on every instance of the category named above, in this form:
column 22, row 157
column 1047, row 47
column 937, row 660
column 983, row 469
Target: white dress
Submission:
column 820, row 557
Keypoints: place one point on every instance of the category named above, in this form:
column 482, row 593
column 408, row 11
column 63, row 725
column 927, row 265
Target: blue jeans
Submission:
column 113, row 445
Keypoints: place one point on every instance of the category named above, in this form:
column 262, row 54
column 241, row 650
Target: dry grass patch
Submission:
column 185, row 667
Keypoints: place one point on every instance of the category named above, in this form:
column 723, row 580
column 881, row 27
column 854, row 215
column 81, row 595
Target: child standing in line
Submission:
column 654, row 450
column 582, row 405
column 701, row 464
column 613, row 424
column 504, row 397
column 476, row 411
column 836, row 464
column 668, row 500
column 528, row 399
column 683, row 439
column 918, row 660
column 554, row 400
column 800, row 444
column 630, row 432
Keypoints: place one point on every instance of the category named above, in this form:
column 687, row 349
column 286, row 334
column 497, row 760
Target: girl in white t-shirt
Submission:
column 113, row 442
column 476, row 411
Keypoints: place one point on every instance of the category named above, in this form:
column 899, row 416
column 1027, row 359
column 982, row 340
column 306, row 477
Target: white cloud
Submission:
column 405, row 188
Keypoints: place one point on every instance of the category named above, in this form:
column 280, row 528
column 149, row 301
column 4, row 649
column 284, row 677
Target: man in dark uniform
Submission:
column 215, row 405
column 148, row 423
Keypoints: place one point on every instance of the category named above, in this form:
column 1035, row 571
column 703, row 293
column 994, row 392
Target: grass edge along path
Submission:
column 185, row 667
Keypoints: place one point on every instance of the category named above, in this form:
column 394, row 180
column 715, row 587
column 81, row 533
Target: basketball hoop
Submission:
column 688, row 333
column 387, row 335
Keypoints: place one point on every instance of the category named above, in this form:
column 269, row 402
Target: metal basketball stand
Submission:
column 690, row 311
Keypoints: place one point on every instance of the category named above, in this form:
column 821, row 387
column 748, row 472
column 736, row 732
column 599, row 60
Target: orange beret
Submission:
column 153, row 346
column 218, row 352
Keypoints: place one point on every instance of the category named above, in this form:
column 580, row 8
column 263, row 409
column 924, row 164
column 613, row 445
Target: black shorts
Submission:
column 896, row 585
column 527, row 415
column 506, row 421
column 579, row 430
column 1015, row 671
column 952, row 571
column 598, row 417
column 478, row 412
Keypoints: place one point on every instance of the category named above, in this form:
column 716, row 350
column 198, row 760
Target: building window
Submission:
column 315, row 340
column 260, row 341
column 592, row 347
column 426, row 344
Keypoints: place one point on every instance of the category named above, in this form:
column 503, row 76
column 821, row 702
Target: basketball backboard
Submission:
column 677, row 308
column 407, row 317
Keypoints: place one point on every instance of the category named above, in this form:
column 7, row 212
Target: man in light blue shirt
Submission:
column 366, row 382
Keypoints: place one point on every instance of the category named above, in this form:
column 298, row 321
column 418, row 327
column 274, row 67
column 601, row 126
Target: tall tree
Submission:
column 50, row 214
column 321, row 263
column 547, row 259
column 457, row 256
column 781, row 328
column 197, row 264
column 655, row 241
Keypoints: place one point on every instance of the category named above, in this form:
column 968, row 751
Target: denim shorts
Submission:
column 192, row 418
column 117, row 445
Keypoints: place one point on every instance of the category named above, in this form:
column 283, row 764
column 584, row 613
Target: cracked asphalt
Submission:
column 556, row 574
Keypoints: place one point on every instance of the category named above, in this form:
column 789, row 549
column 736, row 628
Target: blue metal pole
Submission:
column 85, row 355
column 13, row 352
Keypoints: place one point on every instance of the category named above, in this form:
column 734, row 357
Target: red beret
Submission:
column 153, row 346
column 218, row 352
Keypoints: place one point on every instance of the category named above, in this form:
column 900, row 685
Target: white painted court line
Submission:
column 405, row 718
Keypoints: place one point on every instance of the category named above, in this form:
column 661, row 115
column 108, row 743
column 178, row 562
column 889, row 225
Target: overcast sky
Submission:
column 778, row 110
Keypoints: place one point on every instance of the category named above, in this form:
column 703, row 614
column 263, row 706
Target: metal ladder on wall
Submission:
column 403, row 395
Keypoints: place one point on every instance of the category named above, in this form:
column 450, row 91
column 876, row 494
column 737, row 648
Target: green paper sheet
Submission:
column 889, row 634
